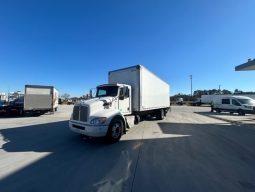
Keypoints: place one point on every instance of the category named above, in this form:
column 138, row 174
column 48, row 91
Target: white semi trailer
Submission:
column 131, row 93
column 38, row 98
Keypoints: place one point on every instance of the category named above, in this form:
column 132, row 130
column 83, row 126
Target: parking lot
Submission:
column 190, row 150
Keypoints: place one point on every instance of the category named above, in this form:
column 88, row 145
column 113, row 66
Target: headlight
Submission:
column 248, row 107
column 98, row 121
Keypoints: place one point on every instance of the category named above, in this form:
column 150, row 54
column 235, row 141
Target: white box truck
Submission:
column 39, row 98
column 131, row 93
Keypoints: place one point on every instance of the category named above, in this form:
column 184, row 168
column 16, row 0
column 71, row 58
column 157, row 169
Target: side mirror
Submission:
column 92, row 92
column 121, row 97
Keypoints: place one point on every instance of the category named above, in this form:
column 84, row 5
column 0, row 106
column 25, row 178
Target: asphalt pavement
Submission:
column 187, row 151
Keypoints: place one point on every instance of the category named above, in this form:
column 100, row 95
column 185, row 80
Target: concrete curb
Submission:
column 223, row 119
column 227, row 120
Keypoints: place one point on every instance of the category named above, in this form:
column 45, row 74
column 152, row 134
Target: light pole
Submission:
column 190, row 85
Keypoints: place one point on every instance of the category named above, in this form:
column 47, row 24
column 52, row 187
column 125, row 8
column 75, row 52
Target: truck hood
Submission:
column 98, row 104
column 99, row 100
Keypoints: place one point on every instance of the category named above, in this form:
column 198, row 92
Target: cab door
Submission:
column 236, row 105
column 124, row 100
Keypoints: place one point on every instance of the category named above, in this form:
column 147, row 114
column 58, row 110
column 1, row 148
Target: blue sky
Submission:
column 73, row 44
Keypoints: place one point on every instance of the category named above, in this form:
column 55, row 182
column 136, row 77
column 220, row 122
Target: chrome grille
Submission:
column 84, row 113
column 76, row 113
column 80, row 113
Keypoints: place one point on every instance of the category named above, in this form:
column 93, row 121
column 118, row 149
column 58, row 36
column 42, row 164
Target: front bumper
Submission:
column 88, row 130
column 249, row 111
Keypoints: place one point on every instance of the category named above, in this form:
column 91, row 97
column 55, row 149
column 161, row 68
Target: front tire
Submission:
column 115, row 130
column 240, row 112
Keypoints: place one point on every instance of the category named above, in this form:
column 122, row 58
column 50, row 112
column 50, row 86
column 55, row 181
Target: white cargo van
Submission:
column 234, row 104
column 130, row 94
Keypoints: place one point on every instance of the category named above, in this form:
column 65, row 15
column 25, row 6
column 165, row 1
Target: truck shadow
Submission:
column 8, row 116
column 215, row 136
column 72, row 163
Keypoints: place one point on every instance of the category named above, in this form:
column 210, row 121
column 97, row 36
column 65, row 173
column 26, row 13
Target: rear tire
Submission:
column 161, row 114
column 218, row 110
column 137, row 119
column 115, row 130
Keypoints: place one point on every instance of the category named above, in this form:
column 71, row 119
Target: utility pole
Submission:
column 190, row 85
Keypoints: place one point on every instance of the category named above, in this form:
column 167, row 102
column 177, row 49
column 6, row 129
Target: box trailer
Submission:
column 40, row 98
column 207, row 99
column 149, row 92
column 131, row 94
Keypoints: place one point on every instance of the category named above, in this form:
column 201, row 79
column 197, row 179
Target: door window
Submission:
column 235, row 102
column 101, row 93
column 127, row 92
column 121, row 91
column 225, row 101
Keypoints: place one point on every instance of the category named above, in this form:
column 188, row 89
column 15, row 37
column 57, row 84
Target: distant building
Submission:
column 3, row 97
column 248, row 66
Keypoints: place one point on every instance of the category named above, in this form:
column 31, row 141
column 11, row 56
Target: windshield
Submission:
column 111, row 91
column 247, row 101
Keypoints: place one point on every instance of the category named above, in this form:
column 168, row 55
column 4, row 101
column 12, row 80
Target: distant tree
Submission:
column 237, row 91
column 66, row 96
column 198, row 93
column 226, row 92
column 180, row 95
column 85, row 97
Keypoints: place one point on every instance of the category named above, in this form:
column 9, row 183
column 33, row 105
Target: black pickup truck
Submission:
column 16, row 107
column 3, row 107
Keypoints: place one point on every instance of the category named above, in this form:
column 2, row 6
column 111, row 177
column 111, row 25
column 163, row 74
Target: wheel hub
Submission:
column 116, row 130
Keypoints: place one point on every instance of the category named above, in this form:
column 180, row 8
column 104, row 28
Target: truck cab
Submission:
column 120, row 92
column 105, row 114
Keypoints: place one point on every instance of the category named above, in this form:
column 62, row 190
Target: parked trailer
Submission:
column 131, row 93
column 40, row 98
column 207, row 99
